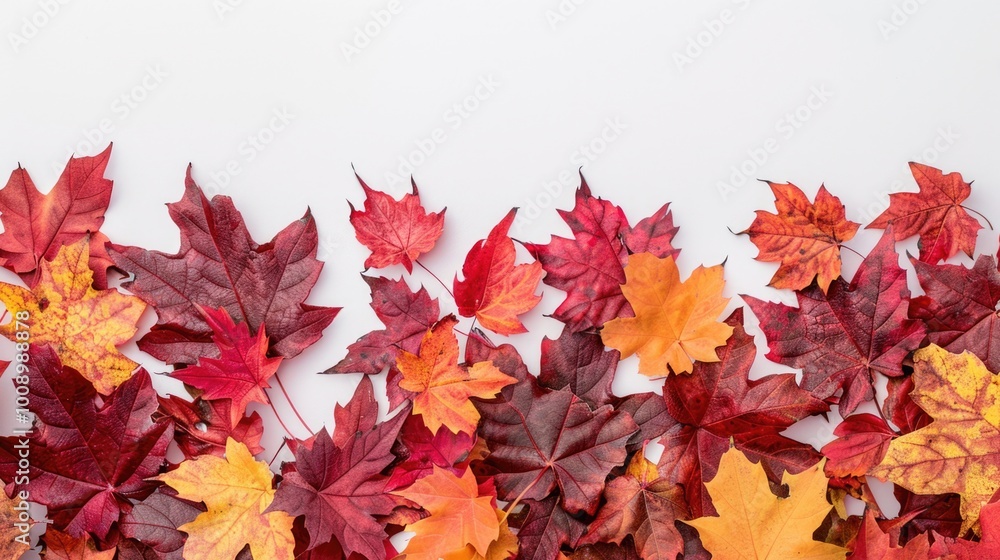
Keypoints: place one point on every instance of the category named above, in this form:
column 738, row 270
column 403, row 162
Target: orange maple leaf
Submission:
column 960, row 450
column 443, row 387
column 10, row 546
column 459, row 517
column 83, row 325
column 60, row 546
column 754, row 524
column 804, row 237
column 675, row 323
column 236, row 490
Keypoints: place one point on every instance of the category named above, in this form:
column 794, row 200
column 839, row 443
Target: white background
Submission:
column 697, row 89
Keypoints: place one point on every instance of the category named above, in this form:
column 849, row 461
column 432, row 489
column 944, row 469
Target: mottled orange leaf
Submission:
column 84, row 325
column 10, row 547
column 459, row 516
column 960, row 450
column 676, row 323
column 754, row 524
column 236, row 491
column 442, row 387
column 804, row 237
column 504, row 548
column 935, row 214
column 60, row 546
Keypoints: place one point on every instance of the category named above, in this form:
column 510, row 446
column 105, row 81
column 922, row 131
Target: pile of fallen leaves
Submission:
column 483, row 455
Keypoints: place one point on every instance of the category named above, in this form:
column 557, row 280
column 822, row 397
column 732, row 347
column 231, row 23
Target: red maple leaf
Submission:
column 495, row 290
column 876, row 543
column 396, row 231
column 862, row 440
column 960, row 307
column 590, row 266
column 241, row 371
column 963, row 549
column 935, row 214
column 406, row 315
column 220, row 265
column 718, row 404
column 423, row 450
column 580, row 362
column 541, row 439
column 339, row 488
column 36, row 225
column 202, row 427
column 841, row 338
column 152, row 525
column 545, row 529
column 87, row 461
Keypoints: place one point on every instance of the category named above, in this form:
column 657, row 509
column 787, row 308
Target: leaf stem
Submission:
column 852, row 250
column 980, row 215
column 517, row 500
column 270, row 403
column 284, row 442
column 443, row 285
column 277, row 377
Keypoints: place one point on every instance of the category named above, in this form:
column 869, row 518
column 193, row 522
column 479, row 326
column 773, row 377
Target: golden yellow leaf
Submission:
column 675, row 323
column 459, row 517
column 237, row 491
column 84, row 325
column 754, row 524
column 960, row 450
column 443, row 387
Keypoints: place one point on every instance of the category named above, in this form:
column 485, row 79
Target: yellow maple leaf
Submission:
column 443, row 387
column 501, row 549
column 84, row 325
column 960, row 450
column 459, row 517
column 236, row 490
column 754, row 524
column 675, row 323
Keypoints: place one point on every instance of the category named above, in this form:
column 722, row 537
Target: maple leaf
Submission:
column 645, row 505
column 589, row 267
column 718, row 405
column 935, row 214
column 60, row 546
column 241, row 371
column 540, row 439
column 425, row 449
column 84, row 325
column 963, row 549
column 804, row 237
column 579, row 361
column 153, row 522
column 675, row 322
column 873, row 543
column 237, row 491
column 10, row 518
column 202, row 427
column 338, row 486
column 755, row 524
column 960, row 307
column 406, row 316
column 495, row 290
column 87, row 461
column 545, row 529
column 396, row 231
column 459, row 515
column 36, row 225
column 442, row 388
column 862, row 441
column 841, row 338
column 220, row 265
column 960, row 450
column 358, row 417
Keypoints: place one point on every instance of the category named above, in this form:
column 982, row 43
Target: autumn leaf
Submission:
column 935, row 214
column 580, row 362
column 153, row 522
column 459, row 516
column 675, row 323
column 338, row 486
column 11, row 545
column 442, row 388
column 804, row 237
column 60, row 546
column 202, row 427
column 960, row 307
column 237, row 491
column 84, row 325
column 425, row 450
column 406, row 315
column 37, row 225
column 719, row 406
column 963, row 549
column 495, row 290
column 755, row 524
column 960, row 450
column 873, row 543
column 242, row 370
column 541, row 439
column 643, row 504
column 862, row 440
column 87, row 460
column 220, row 265
column 842, row 338
column 396, row 231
